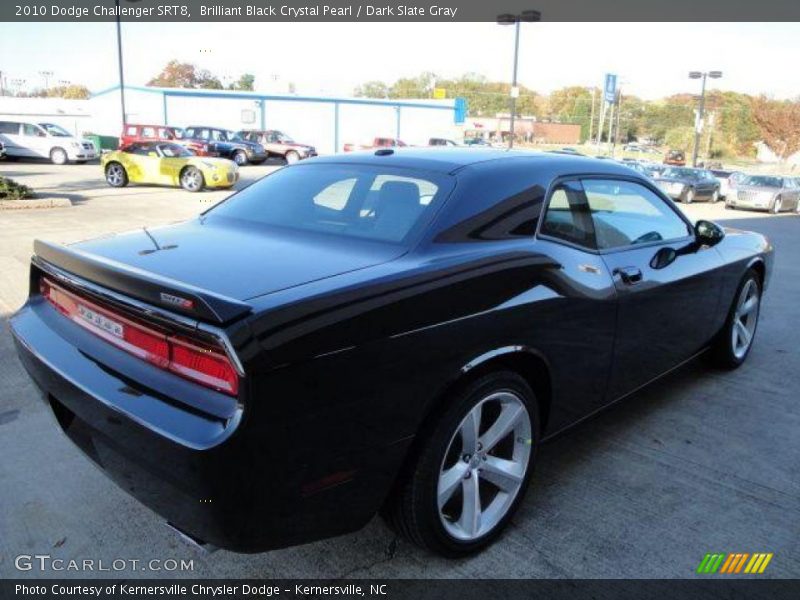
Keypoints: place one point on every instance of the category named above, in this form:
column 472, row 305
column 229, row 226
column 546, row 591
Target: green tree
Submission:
column 245, row 83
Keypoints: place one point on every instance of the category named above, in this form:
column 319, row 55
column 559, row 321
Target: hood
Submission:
column 212, row 160
column 238, row 260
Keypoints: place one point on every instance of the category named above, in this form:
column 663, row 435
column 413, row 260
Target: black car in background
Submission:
column 395, row 331
column 225, row 144
column 686, row 185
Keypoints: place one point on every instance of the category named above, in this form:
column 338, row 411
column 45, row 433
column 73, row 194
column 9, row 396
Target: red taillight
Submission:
column 203, row 364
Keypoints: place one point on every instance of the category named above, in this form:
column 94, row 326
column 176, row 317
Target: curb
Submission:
column 34, row 203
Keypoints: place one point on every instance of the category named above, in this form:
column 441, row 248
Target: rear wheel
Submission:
column 734, row 341
column 192, row 179
column 116, row 176
column 472, row 469
column 58, row 156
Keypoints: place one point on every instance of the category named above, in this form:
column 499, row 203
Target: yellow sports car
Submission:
column 167, row 164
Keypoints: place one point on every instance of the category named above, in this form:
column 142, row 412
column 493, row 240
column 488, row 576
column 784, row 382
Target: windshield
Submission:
column 55, row 130
column 680, row 173
column 360, row 201
column 763, row 181
column 174, row 151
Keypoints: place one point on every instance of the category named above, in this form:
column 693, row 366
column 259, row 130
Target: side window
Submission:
column 148, row 132
column 131, row 130
column 567, row 217
column 9, row 127
column 32, row 130
column 627, row 213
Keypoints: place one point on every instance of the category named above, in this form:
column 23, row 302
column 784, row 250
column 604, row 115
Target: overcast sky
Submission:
column 652, row 59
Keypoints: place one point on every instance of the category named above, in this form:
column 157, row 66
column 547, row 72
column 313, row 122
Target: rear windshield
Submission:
column 358, row 201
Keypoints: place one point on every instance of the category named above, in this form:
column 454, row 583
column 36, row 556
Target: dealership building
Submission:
column 322, row 121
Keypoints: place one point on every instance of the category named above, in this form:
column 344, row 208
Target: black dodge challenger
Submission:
column 391, row 332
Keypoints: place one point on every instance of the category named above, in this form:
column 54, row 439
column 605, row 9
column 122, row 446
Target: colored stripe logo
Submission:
column 734, row 563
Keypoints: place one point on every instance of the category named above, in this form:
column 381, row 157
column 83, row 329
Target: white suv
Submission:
column 44, row 140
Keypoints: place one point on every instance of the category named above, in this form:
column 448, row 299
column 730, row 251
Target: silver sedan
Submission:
column 766, row 192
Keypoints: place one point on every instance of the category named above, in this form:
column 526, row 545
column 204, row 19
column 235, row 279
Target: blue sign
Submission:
column 610, row 89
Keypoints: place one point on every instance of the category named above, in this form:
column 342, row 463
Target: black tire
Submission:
column 412, row 509
column 116, row 175
column 240, row 158
column 722, row 351
column 58, row 156
column 192, row 179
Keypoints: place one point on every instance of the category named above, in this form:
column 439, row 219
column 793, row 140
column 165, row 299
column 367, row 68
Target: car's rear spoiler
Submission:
column 142, row 285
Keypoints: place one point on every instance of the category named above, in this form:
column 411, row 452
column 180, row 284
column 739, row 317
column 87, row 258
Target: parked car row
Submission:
column 739, row 190
column 247, row 146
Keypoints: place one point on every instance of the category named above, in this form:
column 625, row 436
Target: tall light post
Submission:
column 46, row 75
column 526, row 16
column 701, row 107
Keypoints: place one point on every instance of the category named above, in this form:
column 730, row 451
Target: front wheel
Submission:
column 58, row 156
column 688, row 197
column 192, row 179
column 116, row 176
column 240, row 158
column 715, row 197
column 734, row 341
column 471, row 470
column 292, row 157
column 776, row 206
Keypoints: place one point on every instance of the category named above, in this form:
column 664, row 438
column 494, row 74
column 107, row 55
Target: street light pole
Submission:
column 701, row 108
column 528, row 16
column 119, row 63
column 514, row 89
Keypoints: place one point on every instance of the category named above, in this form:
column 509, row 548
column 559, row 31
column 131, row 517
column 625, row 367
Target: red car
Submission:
column 378, row 142
column 148, row 133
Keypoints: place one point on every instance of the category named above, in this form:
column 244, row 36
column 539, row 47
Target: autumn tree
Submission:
column 185, row 75
column 778, row 123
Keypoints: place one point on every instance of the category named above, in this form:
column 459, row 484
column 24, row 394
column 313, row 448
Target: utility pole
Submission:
column 610, row 128
column 121, row 70
column 591, row 118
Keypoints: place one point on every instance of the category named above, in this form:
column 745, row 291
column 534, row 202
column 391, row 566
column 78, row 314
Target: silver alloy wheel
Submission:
column 240, row 158
column 484, row 466
column 745, row 318
column 115, row 175
column 776, row 207
column 715, row 197
column 192, row 179
column 292, row 157
column 689, row 197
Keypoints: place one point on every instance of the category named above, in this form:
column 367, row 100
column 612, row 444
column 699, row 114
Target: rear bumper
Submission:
column 243, row 488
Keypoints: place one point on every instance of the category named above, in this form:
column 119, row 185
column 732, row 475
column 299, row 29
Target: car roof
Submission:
column 452, row 159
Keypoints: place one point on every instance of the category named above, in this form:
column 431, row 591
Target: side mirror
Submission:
column 708, row 233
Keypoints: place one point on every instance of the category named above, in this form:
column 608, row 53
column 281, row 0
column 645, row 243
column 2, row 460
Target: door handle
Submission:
column 629, row 275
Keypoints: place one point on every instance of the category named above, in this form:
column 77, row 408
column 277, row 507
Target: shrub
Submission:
column 11, row 190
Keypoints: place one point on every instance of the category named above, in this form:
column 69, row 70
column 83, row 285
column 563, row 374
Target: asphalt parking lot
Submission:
column 703, row 461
